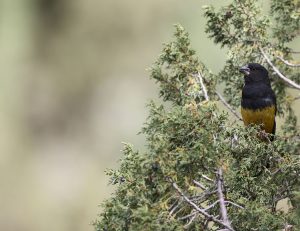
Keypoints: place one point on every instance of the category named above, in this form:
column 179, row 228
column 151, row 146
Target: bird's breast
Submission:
column 263, row 116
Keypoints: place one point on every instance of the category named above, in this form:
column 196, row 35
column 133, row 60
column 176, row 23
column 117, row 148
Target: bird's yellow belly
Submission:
column 264, row 116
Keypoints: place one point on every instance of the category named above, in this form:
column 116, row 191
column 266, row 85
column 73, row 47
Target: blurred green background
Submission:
column 73, row 86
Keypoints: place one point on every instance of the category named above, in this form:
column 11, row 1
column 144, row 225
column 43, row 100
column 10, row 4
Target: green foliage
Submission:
column 295, row 215
column 243, row 27
column 175, row 69
column 287, row 17
column 192, row 137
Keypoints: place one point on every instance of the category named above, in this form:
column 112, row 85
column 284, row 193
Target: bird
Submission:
column 258, row 103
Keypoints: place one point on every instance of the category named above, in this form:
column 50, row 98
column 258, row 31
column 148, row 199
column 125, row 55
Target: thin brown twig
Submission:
column 228, row 106
column 204, row 197
column 191, row 220
column 211, row 205
column 207, row 178
column 294, row 52
column 296, row 98
column 200, row 80
column 176, row 206
column 199, row 185
column 223, row 209
column 188, row 216
column 226, row 202
column 290, row 82
column 287, row 62
column 234, row 204
column 201, row 211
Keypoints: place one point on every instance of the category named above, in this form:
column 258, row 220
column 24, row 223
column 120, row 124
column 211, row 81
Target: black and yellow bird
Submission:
column 258, row 105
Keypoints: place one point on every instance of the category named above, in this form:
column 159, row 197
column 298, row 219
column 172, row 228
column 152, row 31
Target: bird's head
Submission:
column 254, row 72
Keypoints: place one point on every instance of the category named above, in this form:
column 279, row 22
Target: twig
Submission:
column 175, row 207
column 234, row 141
column 290, row 82
column 296, row 98
column 211, row 205
column 200, row 79
column 199, row 185
column 287, row 62
column 228, row 106
column 205, row 225
column 207, row 178
column 178, row 211
column 190, row 222
column 294, row 52
column 204, row 196
column 236, row 205
column 187, row 216
column 226, row 202
column 276, row 171
column 208, row 216
column 223, row 209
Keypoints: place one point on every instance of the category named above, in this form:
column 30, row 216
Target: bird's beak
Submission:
column 245, row 70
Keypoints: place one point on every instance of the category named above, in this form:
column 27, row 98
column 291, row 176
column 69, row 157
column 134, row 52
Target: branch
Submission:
column 290, row 82
column 174, row 207
column 296, row 98
column 200, row 79
column 234, row 204
column 223, row 209
column 187, row 216
column 212, row 205
column 190, row 222
column 287, row 62
column 226, row 202
column 228, row 106
column 204, row 196
column 199, row 185
column 207, row 178
column 208, row 216
column 294, row 52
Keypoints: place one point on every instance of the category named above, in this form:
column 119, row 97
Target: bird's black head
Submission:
column 255, row 72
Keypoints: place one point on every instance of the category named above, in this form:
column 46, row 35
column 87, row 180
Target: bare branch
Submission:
column 188, row 216
column 200, row 80
column 199, row 185
column 225, row 202
column 201, row 211
column 234, row 204
column 296, row 98
column 294, row 52
column 205, row 225
column 204, row 196
column 207, row 178
column 290, row 82
column 190, row 222
column 276, row 171
column 174, row 207
column 223, row 209
column 287, row 62
column 212, row 205
column 228, row 106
